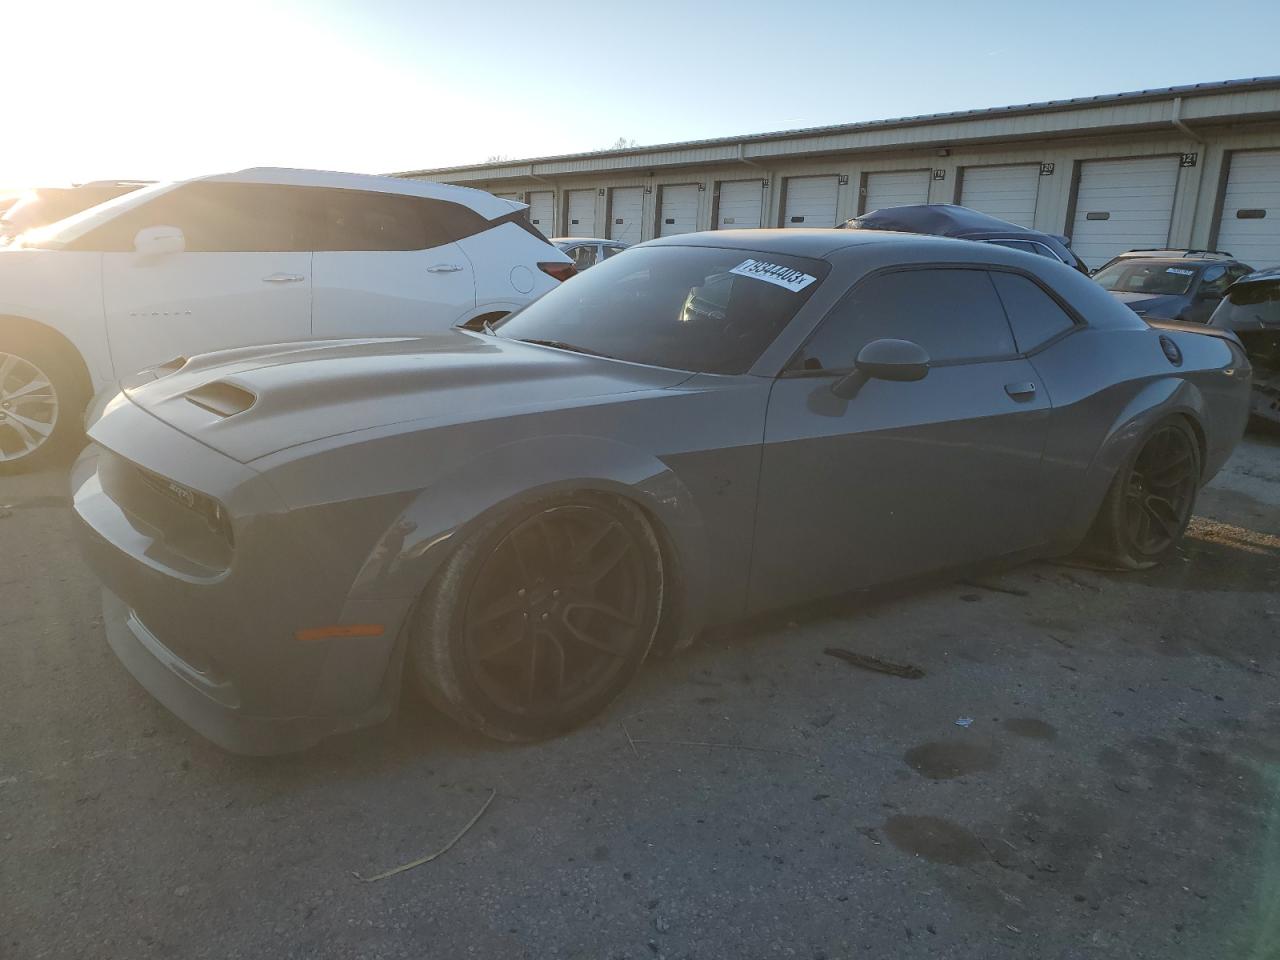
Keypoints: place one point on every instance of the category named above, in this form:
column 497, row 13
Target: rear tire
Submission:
column 541, row 618
column 1149, row 504
column 41, row 403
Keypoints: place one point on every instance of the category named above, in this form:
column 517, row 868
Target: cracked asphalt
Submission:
column 1115, row 791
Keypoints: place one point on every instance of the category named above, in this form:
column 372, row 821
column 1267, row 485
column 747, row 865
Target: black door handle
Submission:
column 1020, row 391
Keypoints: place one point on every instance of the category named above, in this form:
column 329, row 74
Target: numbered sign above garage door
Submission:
column 1122, row 205
column 678, row 209
column 810, row 202
column 741, row 205
column 897, row 189
column 626, row 214
column 1006, row 192
column 542, row 210
column 580, row 219
column 1250, row 224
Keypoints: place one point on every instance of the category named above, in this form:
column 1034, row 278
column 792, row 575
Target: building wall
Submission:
column 1063, row 138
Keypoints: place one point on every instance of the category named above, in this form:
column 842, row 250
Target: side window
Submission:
column 1034, row 315
column 1238, row 270
column 214, row 217
column 365, row 220
column 1213, row 282
column 612, row 251
column 584, row 255
column 953, row 313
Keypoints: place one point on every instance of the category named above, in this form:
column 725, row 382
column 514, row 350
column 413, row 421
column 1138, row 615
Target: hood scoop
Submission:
column 221, row 398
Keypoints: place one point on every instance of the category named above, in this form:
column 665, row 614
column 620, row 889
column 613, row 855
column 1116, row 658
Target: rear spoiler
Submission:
column 1182, row 326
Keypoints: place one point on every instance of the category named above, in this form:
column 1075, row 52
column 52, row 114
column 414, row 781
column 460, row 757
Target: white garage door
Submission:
column 542, row 210
column 1250, row 226
column 897, row 189
column 740, row 206
column 626, row 214
column 582, row 214
column 679, row 212
column 1005, row 192
column 1122, row 205
column 811, row 202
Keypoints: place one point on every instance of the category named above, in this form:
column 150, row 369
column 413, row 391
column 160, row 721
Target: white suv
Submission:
column 259, row 256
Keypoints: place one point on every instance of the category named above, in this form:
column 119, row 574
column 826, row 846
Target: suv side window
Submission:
column 1034, row 315
column 954, row 313
column 214, row 217
column 584, row 255
column 365, row 220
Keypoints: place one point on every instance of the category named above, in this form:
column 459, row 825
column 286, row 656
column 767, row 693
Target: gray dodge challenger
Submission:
column 697, row 430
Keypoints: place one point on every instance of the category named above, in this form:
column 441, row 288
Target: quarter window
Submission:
column 954, row 314
column 1034, row 315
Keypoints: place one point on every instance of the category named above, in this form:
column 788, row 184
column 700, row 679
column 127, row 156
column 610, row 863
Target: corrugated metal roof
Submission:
column 1047, row 106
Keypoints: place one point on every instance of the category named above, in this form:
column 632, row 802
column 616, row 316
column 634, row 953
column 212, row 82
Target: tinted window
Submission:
column 1034, row 315
column 219, row 217
column 681, row 307
column 1253, row 305
column 953, row 314
column 214, row 218
column 611, row 251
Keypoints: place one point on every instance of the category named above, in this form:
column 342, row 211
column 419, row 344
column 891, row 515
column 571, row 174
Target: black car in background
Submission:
column 965, row 223
column 1251, row 310
column 45, row 205
column 1171, row 284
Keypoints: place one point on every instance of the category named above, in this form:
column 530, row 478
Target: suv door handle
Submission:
column 1020, row 391
column 444, row 268
column 284, row 278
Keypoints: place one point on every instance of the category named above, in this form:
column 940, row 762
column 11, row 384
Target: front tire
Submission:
column 1151, row 499
column 541, row 618
column 40, row 405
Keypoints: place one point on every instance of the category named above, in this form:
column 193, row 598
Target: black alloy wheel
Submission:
column 541, row 619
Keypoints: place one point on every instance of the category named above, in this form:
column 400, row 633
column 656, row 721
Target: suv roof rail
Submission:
column 1172, row 251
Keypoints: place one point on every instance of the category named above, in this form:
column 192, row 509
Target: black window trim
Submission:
column 1078, row 321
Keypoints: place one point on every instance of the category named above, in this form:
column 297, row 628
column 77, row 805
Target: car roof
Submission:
column 815, row 242
column 612, row 243
column 1181, row 255
column 485, row 204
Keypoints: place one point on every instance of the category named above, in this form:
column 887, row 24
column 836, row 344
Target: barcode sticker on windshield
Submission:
column 1180, row 272
column 775, row 273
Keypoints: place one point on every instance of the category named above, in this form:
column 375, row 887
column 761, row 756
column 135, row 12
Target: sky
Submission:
column 165, row 90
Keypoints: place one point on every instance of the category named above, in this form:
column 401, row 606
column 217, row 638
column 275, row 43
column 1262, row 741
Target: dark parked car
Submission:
column 1251, row 310
column 965, row 223
column 1171, row 284
column 710, row 426
column 46, row 205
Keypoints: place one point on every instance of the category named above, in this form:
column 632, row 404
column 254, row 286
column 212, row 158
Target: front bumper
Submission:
column 207, row 703
column 217, row 643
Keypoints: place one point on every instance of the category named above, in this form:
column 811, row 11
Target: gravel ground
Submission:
column 1117, row 793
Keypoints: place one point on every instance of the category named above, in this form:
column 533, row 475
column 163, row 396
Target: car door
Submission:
column 241, row 277
column 906, row 477
column 387, row 264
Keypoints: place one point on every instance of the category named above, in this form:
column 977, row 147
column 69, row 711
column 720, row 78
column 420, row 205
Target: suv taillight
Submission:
column 558, row 271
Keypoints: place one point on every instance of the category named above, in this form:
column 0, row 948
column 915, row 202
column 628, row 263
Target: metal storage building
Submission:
column 1189, row 166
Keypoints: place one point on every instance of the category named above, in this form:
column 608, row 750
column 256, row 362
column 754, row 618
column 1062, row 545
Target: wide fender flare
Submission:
column 1153, row 402
column 417, row 543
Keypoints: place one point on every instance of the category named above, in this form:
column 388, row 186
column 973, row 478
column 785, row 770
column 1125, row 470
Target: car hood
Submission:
column 1143, row 303
column 251, row 402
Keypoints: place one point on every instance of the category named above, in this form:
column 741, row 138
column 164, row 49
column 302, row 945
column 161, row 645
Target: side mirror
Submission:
column 155, row 241
column 899, row 360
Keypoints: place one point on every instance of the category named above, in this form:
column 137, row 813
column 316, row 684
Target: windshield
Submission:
column 705, row 309
column 1155, row 277
column 63, row 231
column 51, row 204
